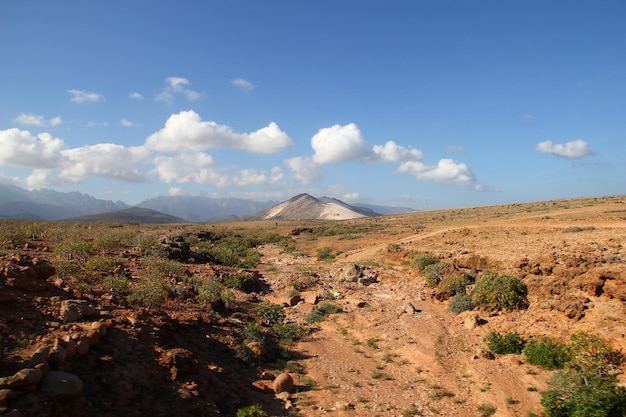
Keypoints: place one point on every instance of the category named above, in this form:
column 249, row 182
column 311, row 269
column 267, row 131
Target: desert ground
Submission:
column 393, row 348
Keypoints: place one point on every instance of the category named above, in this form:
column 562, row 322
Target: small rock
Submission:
column 283, row 382
column 82, row 345
column 72, row 310
column 408, row 308
column 256, row 348
column 267, row 376
column 262, row 386
column 312, row 298
column 6, row 395
column 293, row 300
column 62, row 384
column 57, row 356
column 283, row 396
column 22, row 379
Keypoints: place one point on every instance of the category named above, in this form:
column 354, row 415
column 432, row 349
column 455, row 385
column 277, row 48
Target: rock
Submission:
column 484, row 353
column 312, row 298
column 94, row 337
column 72, row 310
column 43, row 269
column 57, row 356
column 21, row 379
column 100, row 327
column 283, row 396
column 82, row 345
column 283, row 382
column 181, row 362
column 62, row 384
column 472, row 321
column 351, row 274
column 6, row 395
column 293, row 301
column 28, row 284
column 267, row 376
column 409, row 308
column 176, row 247
column 256, row 348
column 40, row 356
column 262, row 386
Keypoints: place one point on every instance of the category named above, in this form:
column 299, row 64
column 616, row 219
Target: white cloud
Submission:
column 177, row 85
column 186, row 131
column 82, row 96
column 446, row 171
column 255, row 177
column 243, row 84
column 4, row 179
column 135, row 96
column 339, row 144
column 194, row 167
column 304, row 169
column 21, row 149
column 571, row 150
column 102, row 160
column 392, row 152
column 28, row 119
column 128, row 123
column 40, row 178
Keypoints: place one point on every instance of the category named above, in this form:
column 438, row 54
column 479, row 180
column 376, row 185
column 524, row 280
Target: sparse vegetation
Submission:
column 251, row 411
column 320, row 312
column 460, row 303
column 486, row 410
column 509, row 343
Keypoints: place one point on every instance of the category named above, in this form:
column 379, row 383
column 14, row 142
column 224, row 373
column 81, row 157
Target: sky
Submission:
column 426, row 104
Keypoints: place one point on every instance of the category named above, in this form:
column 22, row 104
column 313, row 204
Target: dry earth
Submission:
column 396, row 350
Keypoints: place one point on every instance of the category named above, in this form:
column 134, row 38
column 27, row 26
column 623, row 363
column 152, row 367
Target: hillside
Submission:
column 189, row 319
column 130, row 215
column 306, row 207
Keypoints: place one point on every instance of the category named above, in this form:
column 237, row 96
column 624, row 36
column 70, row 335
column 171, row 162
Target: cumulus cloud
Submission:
column 196, row 167
column 339, row 144
column 392, row 152
column 256, row 177
column 28, row 119
column 446, row 171
column 21, row 149
column 135, row 96
column 304, row 169
column 185, row 131
column 177, row 85
column 102, row 160
column 243, row 84
column 4, row 179
column 82, row 96
column 571, row 150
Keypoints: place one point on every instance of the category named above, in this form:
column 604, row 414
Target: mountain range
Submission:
column 45, row 204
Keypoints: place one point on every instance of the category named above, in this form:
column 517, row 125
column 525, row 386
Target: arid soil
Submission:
column 395, row 350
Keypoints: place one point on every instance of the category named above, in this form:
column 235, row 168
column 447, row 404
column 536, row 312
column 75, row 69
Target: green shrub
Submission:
column 150, row 246
column 117, row 284
column 270, row 314
column 486, row 410
column 456, row 284
column 422, row 260
column 251, row 411
column 510, row 343
column 325, row 254
column 320, row 312
column 149, row 292
column 255, row 333
column 460, row 303
column 289, row 332
column 433, row 273
column 75, row 248
column 499, row 292
column 242, row 281
column 546, row 352
column 215, row 294
column 103, row 264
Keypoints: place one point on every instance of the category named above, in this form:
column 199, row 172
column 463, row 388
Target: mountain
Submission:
column 44, row 204
column 129, row 215
column 204, row 208
column 306, row 207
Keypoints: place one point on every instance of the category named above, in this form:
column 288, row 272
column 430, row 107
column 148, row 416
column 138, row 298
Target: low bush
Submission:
column 460, row 303
column 149, row 292
column 241, row 281
column 325, row 254
column 320, row 312
column 270, row 314
column 499, row 292
column 433, row 273
column 456, row 284
column 546, row 352
column 422, row 260
column 509, row 343
column 251, row 411
column 289, row 332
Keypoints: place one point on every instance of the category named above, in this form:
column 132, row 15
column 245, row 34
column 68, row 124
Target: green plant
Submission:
column 546, row 352
column 460, row 303
column 149, row 292
column 321, row 311
column 433, row 273
column 486, row 410
column 289, row 332
column 456, row 284
column 509, row 343
column 242, row 281
column 251, row 411
column 499, row 292
column 305, row 282
column 422, row 260
column 410, row 412
column 576, row 229
column 117, row 284
column 270, row 314
column 325, row 254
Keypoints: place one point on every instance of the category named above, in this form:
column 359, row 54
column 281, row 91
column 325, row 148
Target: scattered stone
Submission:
column 62, row 384
column 72, row 310
column 312, row 298
column 262, row 386
column 256, row 348
column 283, row 382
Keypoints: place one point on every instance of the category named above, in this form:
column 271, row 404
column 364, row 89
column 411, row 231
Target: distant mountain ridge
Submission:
column 130, row 215
column 307, row 207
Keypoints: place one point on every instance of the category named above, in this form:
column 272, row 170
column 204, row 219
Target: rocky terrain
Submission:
column 83, row 337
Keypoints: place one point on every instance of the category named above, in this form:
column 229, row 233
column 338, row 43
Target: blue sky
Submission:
column 426, row 104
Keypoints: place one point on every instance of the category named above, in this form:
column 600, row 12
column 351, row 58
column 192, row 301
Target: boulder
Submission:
column 61, row 384
column 72, row 310
column 283, row 382
column 21, row 379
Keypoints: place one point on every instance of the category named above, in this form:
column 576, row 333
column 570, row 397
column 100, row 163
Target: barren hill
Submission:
column 306, row 207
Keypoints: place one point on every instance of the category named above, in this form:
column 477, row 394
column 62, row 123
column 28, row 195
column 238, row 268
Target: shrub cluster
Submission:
column 509, row 343
column 499, row 292
column 547, row 352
